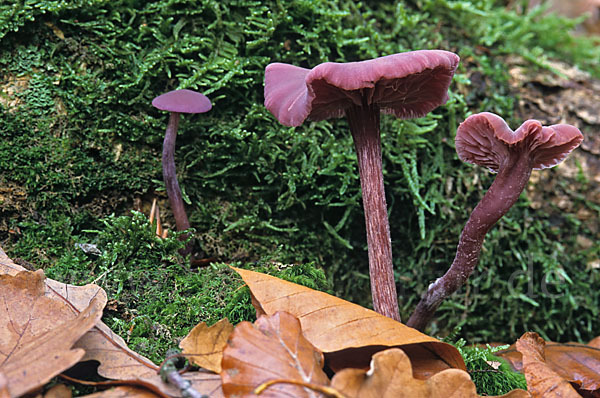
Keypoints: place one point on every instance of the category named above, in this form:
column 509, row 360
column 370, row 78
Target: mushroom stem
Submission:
column 170, row 179
column 364, row 125
column 512, row 178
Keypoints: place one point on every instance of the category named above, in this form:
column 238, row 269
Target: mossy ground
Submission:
column 79, row 141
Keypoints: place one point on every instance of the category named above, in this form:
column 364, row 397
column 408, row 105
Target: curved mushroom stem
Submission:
column 170, row 179
column 364, row 124
column 503, row 193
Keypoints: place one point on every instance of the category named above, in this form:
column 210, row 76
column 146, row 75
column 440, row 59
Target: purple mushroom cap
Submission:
column 407, row 85
column 486, row 140
column 182, row 101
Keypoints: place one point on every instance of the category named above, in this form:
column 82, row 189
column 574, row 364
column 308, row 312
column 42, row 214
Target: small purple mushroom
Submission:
column 486, row 140
column 177, row 102
column 407, row 85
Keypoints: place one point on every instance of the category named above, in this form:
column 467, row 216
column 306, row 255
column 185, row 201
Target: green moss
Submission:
column 155, row 299
column 492, row 375
column 78, row 135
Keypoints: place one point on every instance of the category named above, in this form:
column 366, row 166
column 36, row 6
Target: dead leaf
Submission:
column 542, row 381
column 118, row 362
column 390, row 376
column 346, row 333
column 37, row 333
column 205, row 345
column 59, row 391
column 271, row 348
column 574, row 362
column 595, row 342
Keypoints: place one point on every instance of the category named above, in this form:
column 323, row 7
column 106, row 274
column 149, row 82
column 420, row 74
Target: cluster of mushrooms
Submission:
column 407, row 85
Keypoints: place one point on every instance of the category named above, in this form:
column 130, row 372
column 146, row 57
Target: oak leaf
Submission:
column 390, row 376
column 273, row 348
column 542, row 381
column 204, row 345
column 37, row 332
column 346, row 333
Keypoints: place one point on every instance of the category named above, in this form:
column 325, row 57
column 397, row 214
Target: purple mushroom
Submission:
column 407, row 85
column 486, row 140
column 177, row 102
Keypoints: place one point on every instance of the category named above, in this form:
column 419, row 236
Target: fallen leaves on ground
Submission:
column 348, row 334
column 47, row 326
column 272, row 348
column 101, row 344
column 204, row 345
column 542, row 381
column 576, row 363
column 37, row 332
column 390, row 376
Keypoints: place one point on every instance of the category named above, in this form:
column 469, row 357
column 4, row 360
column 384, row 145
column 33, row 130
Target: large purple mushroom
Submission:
column 407, row 85
column 177, row 102
column 485, row 139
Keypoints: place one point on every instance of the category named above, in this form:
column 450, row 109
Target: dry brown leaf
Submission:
column 38, row 332
column 595, row 342
column 271, row 348
column 574, row 362
column 123, row 392
column 348, row 334
column 59, row 391
column 542, row 381
column 205, row 344
column 77, row 297
column 390, row 376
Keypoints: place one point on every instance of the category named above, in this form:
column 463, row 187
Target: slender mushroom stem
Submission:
column 170, row 179
column 512, row 178
column 364, row 125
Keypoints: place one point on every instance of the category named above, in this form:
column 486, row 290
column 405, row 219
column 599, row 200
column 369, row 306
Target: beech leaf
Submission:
column 271, row 348
column 37, row 332
column 346, row 333
column 542, row 381
column 390, row 376
column 205, row 345
column 574, row 362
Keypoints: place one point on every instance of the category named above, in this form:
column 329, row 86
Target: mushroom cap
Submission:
column 182, row 101
column 486, row 140
column 408, row 85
